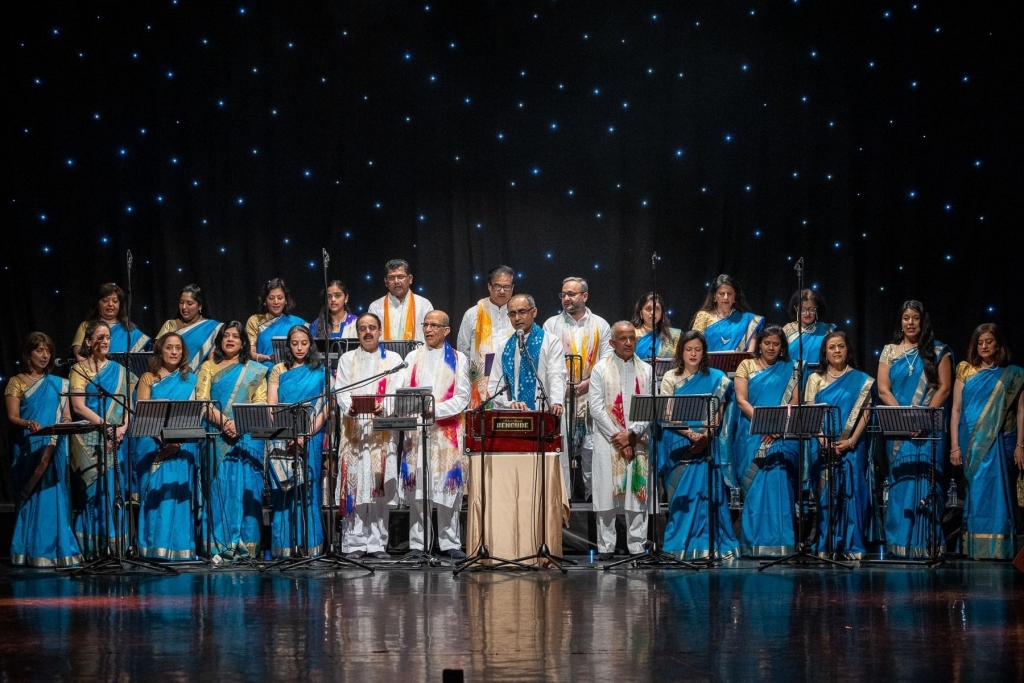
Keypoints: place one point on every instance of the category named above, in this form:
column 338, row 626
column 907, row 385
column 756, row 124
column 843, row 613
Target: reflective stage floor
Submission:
column 962, row 621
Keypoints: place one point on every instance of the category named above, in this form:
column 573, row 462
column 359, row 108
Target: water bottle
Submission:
column 885, row 490
column 953, row 502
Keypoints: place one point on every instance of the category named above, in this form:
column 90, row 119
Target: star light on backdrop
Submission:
column 371, row 129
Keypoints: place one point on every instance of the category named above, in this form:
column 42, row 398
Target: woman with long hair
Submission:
column 196, row 330
column 649, row 314
column 726, row 319
column 273, row 320
column 111, row 308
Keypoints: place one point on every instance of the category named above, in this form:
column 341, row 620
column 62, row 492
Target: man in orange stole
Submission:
column 401, row 311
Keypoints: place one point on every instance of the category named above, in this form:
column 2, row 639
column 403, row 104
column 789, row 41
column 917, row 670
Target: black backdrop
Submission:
column 226, row 143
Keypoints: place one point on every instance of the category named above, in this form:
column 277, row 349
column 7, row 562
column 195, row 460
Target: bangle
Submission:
column 1020, row 445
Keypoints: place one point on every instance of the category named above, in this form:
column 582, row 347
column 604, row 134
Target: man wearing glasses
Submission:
column 446, row 371
column 484, row 330
column 400, row 310
column 588, row 336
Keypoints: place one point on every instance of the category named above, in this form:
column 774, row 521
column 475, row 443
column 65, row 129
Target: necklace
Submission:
column 910, row 357
column 761, row 363
column 810, row 329
column 828, row 369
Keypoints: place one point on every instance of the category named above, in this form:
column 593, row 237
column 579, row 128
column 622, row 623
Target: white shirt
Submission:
column 396, row 314
column 550, row 372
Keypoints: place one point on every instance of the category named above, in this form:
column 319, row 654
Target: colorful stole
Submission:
column 408, row 324
column 274, row 327
column 199, row 338
column 355, row 432
column 989, row 401
column 447, row 462
column 121, row 340
column 478, row 360
column 812, row 340
column 615, row 408
column 527, row 380
column 734, row 332
column 911, row 388
column 113, row 378
column 314, row 328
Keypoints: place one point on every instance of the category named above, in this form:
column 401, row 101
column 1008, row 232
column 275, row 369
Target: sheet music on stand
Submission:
column 332, row 349
column 137, row 363
column 792, row 422
column 909, row 420
column 169, row 420
column 280, row 347
column 263, row 421
column 682, row 408
column 727, row 361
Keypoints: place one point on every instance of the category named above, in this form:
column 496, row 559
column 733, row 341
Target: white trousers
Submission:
column 447, row 526
column 636, row 530
column 366, row 528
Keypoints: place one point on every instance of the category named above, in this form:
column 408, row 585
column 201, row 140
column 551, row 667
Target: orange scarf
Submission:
column 408, row 326
column 477, row 362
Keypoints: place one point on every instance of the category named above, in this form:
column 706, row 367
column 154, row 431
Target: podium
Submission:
column 507, row 464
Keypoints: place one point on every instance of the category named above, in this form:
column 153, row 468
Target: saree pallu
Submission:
column 987, row 436
column 235, row 506
column 906, row 519
column 123, row 341
column 685, row 475
column 167, row 488
column 98, row 525
column 662, row 348
column 850, row 488
column 275, row 327
column 43, row 536
column 734, row 332
column 199, row 338
column 767, row 474
column 289, row 525
column 812, row 340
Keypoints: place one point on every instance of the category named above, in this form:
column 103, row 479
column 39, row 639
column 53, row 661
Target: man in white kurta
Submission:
column 585, row 334
column 446, row 371
column 368, row 464
column 484, row 330
column 620, row 464
column 401, row 311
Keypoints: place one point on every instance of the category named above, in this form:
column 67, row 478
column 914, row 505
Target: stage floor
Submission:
column 961, row 621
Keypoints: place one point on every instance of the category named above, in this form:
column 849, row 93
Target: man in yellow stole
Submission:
column 446, row 371
column 586, row 335
column 484, row 330
column 401, row 311
column 621, row 465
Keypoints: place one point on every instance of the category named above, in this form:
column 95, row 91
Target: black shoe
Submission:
column 382, row 555
column 413, row 554
column 355, row 555
column 605, row 557
column 456, row 554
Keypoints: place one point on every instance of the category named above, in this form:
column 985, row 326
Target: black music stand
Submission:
column 692, row 409
column 915, row 423
column 137, row 362
column 403, row 347
column 280, row 348
column 801, row 422
column 727, row 361
column 334, row 348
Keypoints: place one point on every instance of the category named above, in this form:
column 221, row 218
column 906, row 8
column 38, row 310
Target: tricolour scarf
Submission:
column 447, row 461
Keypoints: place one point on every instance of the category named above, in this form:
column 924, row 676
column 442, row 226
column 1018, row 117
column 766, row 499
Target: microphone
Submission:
column 521, row 339
column 327, row 257
column 401, row 366
column 130, row 259
column 654, row 258
column 63, row 362
column 799, row 264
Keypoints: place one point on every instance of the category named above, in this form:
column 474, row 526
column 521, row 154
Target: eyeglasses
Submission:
column 522, row 312
column 569, row 295
column 396, row 278
column 808, row 310
column 501, row 288
column 430, row 326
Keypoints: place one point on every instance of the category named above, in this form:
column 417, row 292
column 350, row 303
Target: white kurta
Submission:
column 567, row 329
column 550, row 372
column 354, row 366
column 430, row 369
column 605, row 428
column 396, row 313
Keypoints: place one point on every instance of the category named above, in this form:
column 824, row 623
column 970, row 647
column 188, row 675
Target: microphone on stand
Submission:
column 401, row 366
column 63, row 362
column 130, row 259
column 799, row 264
column 327, row 257
column 654, row 258
column 521, row 339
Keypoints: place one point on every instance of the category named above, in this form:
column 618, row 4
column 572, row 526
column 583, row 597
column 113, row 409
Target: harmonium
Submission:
column 512, row 431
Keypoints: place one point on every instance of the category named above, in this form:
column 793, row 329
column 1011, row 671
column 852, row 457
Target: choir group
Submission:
column 194, row 500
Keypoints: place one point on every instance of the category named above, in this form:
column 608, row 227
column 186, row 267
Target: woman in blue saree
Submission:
column 166, row 472
column 838, row 384
column 725, row 318
column 273, row 320
column 99, row 389
column 112, row 309
column 682, row 459
column 42, row 529
column 645, row 316
column 915, row 370
column 234, row 509
column 300, row 378
column 986, row 426
column 197, row 333
column 765, row 465
column 808, row 305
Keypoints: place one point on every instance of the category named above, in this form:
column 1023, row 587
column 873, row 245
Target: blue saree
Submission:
column 166, row 515
column 98, row 525
column 199, row 338
column 734, row 332
column 987, row 434
column 813, row 337
column 42, row 529
column 767, row 474
column 121, row 341
column 662, row 348
column 235, row 506
column 850, row 488
column 686, row 479
column 906, row 519
column 275, row 327
column 288, row 528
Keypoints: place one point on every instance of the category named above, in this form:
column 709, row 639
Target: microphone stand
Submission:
column 543, row 552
